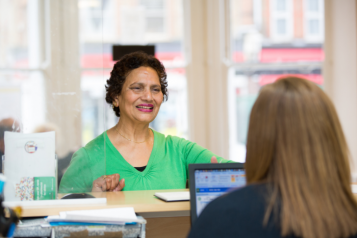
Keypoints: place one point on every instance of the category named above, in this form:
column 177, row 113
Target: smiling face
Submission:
column 141, row 95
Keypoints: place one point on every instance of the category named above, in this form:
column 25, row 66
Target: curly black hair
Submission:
column 124, row 66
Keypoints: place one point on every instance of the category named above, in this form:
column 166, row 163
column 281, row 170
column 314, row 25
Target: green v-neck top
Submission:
column 167, row 167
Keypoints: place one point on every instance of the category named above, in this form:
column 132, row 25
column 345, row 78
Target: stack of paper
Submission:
column 117, row 216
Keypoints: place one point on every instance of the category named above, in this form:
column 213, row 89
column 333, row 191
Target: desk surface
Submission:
column 142, row 201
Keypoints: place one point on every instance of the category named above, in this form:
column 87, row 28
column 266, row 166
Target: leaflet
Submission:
column 30, row 166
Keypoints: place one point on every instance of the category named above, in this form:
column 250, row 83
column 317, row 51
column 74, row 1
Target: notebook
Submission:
column 209, row 181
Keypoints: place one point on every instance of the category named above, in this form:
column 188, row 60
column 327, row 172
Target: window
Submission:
column 39, row 77
column 281, row 26
column 281, row 5
column 313, row 6
column 281, row 18
column 156, row 5
column 154, row 24
column 262, row 52
column 313, row 27
column 154, row 15
column 313, row 20
column 22, row 96
column 140, row 22
column 37, row 88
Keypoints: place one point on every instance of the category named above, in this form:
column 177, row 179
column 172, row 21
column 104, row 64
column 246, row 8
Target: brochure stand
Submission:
column 55, row 177
column 30, row 166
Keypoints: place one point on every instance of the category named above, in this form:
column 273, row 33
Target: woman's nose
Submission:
column 147, row 95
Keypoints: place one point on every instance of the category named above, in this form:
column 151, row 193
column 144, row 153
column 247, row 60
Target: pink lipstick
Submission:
column 145, row 107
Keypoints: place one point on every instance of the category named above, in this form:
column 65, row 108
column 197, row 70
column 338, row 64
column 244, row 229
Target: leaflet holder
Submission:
column 36, row 188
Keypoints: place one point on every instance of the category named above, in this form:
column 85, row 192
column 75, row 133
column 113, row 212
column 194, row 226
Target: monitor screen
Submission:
column 211, row 183
column 121, row 50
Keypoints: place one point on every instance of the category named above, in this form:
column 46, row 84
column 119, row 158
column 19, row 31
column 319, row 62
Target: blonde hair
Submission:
column 295, row 142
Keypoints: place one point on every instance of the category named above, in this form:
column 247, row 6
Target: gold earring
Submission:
column 113, row 106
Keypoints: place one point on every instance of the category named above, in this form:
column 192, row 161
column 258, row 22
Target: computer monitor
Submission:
column 209, row 181
column 121, row 50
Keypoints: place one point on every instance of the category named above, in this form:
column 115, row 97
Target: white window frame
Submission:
column 287, row 15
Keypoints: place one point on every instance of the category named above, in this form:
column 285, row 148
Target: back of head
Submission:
column 296, row 143
column 7, row 124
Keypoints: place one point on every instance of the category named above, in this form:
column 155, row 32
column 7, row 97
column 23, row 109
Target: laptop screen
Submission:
column 210, row 183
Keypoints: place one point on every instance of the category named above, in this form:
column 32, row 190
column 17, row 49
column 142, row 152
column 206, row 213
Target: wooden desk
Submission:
column 164, row 219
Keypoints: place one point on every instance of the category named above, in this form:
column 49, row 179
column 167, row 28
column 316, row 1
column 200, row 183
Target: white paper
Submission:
column 33, row 222
column 59, row 202
column 27, row 156
column 174, row 196
column 61, row 219
column 114, row 215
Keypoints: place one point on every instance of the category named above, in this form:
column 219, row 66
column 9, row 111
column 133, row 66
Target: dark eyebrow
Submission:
column 141, row 84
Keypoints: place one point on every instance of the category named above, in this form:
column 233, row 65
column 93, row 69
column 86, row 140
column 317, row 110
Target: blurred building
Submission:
column 270, row 38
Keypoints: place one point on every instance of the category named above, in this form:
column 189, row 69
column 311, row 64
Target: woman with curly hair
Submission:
column 130, row 155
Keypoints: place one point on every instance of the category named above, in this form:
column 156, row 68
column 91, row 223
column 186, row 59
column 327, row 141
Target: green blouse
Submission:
column 167, row 167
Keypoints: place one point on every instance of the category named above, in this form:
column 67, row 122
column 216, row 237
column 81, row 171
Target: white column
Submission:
column 207, row 73
column 63, row 92
column 340, row 66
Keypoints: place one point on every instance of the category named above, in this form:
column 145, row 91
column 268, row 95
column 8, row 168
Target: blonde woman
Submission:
column 297, row 170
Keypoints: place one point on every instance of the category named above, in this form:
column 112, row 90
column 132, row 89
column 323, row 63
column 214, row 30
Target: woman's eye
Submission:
column 157, row 90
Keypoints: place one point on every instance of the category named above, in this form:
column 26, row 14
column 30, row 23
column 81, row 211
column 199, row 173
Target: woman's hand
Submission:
column 214, row 160
column 111, row 183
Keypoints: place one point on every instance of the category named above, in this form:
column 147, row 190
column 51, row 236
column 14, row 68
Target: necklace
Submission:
column 138, row 142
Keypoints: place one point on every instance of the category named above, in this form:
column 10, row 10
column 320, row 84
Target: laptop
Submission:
column 209, row 181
